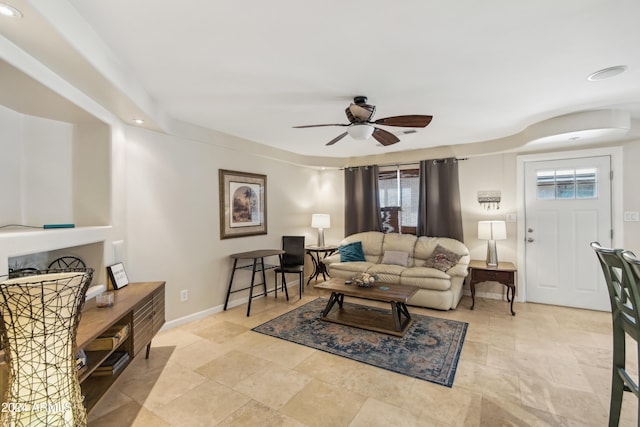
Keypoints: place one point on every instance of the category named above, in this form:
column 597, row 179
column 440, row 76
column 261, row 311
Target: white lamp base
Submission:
column 320, row 238
column 492, row 254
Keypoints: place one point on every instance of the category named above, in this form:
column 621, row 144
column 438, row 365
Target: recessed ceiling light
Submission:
column 607, row 73
column 10, row 11
column 138, row 121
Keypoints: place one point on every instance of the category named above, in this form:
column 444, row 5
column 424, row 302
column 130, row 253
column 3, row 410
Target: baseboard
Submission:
column 190, row 318
column 217, row 309
column 491, row 295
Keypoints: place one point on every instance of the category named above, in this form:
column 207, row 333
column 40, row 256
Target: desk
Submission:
column 504, row 273
column 257, row 265
column 317, row 254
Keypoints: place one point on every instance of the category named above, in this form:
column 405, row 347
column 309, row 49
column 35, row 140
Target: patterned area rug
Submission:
column 429, row 350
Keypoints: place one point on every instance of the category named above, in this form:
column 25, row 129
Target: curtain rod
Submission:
column 405, row 163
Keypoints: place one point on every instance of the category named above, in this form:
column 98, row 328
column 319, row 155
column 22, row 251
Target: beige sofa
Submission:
column 409, row 260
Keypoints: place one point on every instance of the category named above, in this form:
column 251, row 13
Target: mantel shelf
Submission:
column 9, row 232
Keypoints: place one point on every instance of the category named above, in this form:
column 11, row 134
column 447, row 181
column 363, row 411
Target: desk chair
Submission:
column 292, row 261
column 622, row 273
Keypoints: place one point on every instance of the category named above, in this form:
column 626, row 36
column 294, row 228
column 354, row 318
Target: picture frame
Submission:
column 243, row 204
column 117, row 276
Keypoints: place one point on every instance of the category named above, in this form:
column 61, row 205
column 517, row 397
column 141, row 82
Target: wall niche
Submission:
column 55, row 169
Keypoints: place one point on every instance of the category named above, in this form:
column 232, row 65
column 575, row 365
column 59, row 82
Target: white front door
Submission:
column 567, row 206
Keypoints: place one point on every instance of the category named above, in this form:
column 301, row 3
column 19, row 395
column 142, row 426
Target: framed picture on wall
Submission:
column 243, row 204
column 117, row 276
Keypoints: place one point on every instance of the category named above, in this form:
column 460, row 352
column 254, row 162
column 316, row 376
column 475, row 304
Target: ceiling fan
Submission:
column 360, row 125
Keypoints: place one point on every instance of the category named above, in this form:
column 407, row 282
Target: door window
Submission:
column 567, row 184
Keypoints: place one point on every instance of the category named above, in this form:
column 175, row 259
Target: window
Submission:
column 559, row 184
column 399, row 192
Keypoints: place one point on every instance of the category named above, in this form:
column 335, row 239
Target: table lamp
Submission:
column 492, row 231
column 321, row 221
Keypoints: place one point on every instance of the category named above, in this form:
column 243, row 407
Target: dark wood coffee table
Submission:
column 395, row 323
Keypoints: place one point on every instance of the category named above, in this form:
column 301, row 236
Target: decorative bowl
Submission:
column 364, row 280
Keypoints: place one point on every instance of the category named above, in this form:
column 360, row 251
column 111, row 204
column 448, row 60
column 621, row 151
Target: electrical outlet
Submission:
column 184, row 295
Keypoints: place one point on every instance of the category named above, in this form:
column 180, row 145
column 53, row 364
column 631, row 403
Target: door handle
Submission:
column 530, row 239
column 530, row 230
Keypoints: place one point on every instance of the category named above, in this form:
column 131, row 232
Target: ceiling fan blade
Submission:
column 317, row 126
column 411, row 121
column 336, row 139
column 383, row 137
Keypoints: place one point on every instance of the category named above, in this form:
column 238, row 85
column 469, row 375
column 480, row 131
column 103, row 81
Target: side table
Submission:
column 504, row 273
column 317, row 254
column 257, row 265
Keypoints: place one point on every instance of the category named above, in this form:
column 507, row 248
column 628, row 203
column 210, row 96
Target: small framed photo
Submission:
column 117, row 275
column 243, row 204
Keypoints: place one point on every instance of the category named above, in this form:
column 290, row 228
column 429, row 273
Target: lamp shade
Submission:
column 492, row 230
column 321, row 221
column 360, row 131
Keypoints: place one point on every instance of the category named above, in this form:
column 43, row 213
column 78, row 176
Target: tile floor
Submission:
column 547, row 366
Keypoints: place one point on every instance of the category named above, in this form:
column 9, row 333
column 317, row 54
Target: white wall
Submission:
column 492, row 172
column 11, row 136
column 47, row 171
column 35, row 170
column 173, row 214
column 631, row 195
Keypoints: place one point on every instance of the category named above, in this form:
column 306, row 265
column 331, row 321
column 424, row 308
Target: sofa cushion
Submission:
column 442, row 259
column 426, row 278
column 349, row 269
column 396, row 258
column 400, row 242
column 351, row 252
column 425, row 272
column 371, row 244
column 387, row 273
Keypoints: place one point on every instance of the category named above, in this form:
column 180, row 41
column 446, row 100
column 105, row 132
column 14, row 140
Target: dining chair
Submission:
column 622, row 274
column 292, row 261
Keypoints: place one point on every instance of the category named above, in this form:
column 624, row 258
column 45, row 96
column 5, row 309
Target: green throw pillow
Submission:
column 351, row 252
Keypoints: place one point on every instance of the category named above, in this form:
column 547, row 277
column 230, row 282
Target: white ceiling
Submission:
column 484, row 70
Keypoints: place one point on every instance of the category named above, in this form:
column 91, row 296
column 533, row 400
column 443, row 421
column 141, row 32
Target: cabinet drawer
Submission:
column 158, row 310
column 142, row 324
column 492, row 276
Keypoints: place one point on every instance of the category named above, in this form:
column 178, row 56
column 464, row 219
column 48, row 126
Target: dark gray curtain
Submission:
column 439, row 213
column 362, row 204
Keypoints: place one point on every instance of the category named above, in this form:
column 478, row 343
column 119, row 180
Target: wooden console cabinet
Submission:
column 141, row 306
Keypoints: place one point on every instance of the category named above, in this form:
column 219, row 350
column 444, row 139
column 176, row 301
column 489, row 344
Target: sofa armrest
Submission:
column 331, row 259
column 458, row 270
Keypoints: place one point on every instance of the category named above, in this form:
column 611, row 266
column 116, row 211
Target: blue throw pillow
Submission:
column 351, row 252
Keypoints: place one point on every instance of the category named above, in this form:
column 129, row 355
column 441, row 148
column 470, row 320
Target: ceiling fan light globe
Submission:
column 360, row 132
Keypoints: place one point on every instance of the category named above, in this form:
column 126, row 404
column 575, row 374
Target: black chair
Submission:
column 622, row 274
column 292, row 261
